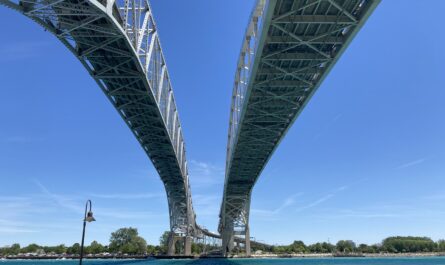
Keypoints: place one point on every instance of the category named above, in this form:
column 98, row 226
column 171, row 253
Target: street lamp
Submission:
column 87, row 218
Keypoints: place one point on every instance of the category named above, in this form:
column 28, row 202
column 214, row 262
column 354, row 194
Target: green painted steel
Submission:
column 289, row 48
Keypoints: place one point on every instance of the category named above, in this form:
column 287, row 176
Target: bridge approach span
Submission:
column 118, row 44
column 288, row 49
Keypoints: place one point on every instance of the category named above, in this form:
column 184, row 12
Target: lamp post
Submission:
column 87, row 218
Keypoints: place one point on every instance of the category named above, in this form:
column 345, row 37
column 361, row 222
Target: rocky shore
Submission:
column 350, row 255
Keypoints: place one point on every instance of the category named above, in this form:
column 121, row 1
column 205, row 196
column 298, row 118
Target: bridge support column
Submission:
column 227, row 241
column 171, row 244
column 188, row 245
column 247, row 243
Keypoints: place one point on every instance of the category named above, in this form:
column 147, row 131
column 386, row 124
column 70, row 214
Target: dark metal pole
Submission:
column 81, row 246
column 83, row 232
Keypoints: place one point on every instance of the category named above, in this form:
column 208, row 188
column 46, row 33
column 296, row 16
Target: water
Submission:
column 278, row 261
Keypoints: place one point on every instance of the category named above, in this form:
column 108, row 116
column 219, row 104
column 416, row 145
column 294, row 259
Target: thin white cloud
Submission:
column 22, row 50
column 322, row 199
column 206, row 205
column 289, row 201
column 129, row 196
column 15, row 230
column 435, row 197
column 125, row 214
column 21, row 140
column 62, row 201
column 362, row 214
column 327, row 125
column 412, row 163
column 71, row 204
column 204, row 174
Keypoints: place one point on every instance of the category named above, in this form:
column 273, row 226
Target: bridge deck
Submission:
column 289, row 48
column 118, row 44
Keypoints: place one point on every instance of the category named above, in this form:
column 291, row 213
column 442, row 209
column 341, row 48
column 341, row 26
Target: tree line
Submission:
column 128, row 241
column 397, row 244
column 122, row 241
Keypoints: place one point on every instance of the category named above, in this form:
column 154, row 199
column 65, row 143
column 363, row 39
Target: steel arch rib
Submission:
column 289, row 47
column 118, row 44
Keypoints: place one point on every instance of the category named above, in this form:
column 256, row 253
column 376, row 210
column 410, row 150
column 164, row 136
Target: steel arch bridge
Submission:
column 289, row 48
column 118, row 44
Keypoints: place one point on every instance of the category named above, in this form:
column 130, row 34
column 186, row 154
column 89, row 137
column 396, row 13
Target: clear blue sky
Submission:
column 365, row 160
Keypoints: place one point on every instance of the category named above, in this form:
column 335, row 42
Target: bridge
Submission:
column 289, row 47
column 118, row 44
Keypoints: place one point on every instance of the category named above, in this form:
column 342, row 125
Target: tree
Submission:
column 345, row 246
column 14, row 249
column 151, row 250
column 441, row 245
column 399, row 244
column 74, row 249
column 298, row 247
column 321, row 248
column 31, row 248
column 163, row 241
column 127, row 240
column 95, row 248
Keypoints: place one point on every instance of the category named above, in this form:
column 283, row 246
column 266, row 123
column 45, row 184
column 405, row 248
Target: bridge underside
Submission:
column 289, row 48
column 118, row 44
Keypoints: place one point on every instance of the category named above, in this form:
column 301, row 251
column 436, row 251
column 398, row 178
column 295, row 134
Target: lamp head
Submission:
column 90, row 217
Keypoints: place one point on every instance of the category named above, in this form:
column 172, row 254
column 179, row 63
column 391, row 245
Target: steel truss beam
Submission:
column 288, row 49
column 117, row 42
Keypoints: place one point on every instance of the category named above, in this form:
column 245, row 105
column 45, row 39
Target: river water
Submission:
column 277, row 261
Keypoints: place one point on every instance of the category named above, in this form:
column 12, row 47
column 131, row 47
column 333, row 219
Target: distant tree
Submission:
column 152, row 250
column 328, row 247
column 401, row 244
column 127, row 240
column 363, row 248
column 297, row 247
column 95, row 248
column 345, row 246
column 441, row 245
column 321, row 248
column 197, row 248
column 163, row 241
column 74, row 249
column 14, row 249
column 60, row 249
column 31, row 248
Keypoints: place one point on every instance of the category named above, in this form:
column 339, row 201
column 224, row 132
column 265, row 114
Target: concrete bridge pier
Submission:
column 247, row 241
column 188, row 245
column 172, row 239
column 171, row 244
column 227, row 241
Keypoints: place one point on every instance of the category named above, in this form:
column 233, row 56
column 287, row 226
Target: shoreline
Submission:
column 351, row 255
column 254, row 256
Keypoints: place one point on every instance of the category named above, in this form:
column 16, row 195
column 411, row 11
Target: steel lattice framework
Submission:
column 288, row 49
column 117, row 42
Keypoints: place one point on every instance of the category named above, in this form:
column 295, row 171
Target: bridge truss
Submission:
column 118, row 44
column 289, row 48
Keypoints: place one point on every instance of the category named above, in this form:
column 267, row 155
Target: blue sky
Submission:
column 365, row 160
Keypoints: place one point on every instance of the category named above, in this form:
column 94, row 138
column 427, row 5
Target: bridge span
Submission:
column 288, row 49
column 118, row 44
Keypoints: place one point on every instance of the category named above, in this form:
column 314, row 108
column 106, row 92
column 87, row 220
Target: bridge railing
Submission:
column 243, row 73
column 138, row 23
column 122, row 71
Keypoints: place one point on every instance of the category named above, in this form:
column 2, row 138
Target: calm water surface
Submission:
column 294, row 261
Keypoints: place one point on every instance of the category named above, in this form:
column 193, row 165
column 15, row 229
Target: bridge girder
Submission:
column 289, row 48
column 118, row 44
